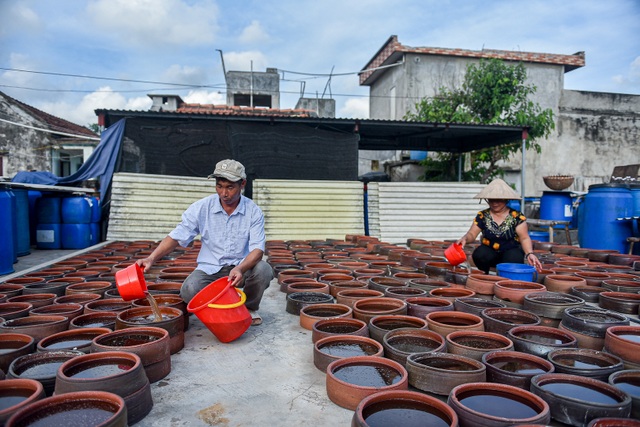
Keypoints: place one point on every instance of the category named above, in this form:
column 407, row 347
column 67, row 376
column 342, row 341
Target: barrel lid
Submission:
column 610, row 185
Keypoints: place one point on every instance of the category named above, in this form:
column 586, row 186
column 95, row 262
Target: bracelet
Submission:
column 526, row 256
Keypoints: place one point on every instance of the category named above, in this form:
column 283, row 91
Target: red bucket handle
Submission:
column 243, row 299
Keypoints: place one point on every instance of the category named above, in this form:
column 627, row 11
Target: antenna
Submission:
column 224, row 70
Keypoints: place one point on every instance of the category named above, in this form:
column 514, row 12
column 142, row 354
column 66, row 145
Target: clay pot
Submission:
column 337, row 276
column 593, row 278
column 13, row 346
column 37, row 327
column 540, row 340
column 588, row 293
column 312, row 313
column 474, row 344
column 629, row 382
column 81, row 299
column 614, row 422
column 338, row 326
column 482, row 284
column 585, row 362
column 163, row 287
column 421, row 306
column 110, row 304
column 14, row 310
column 41, row 367
column 335, row 287
column 57, row 288
column 515, row 368
column 22, row 392
column 73, row 339
column 428, row 284
column 381, row 283
column 350, row 296
column 105, row 319
column 549, row 306
column 497, row 405
column 172, row 321
column 577, row 400
column 451, row 293
column 297, row 300
column 475, row 305
column 36, row 300
column 289, row 280
column 151, row 344
column 367, row 308
column 445, row 322
column 624, row 342
column 88, row 288
column 515, row 290
column 589, row 325
column 439, row 373
column 330, row 349
column 307, row 287
column 563, row 283
column 622, row 302
column 351, row 379
column 11, row 290
column 69, row 310
column 404, row 292
column 425, row 410
column 501, row 320
column 117, row 372
column 381, row 324
column 166, row 300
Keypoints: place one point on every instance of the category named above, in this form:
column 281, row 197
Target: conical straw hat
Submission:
column 497, row 189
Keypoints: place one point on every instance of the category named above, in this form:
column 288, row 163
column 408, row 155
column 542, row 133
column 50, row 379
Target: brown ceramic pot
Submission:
column 381, row 324
column 452, row 293
column 445, row 322
column 335, row 287
column 37, row 327
column 585, row 362
column 563, row 283
column 338, row 326
column 310, row 314
column 81, row 299
column 73, row 339
column 307, row 287
column 540, row 340
column 367, row 308
column 13, row 346
column 622, row 302
column 351, row 379
column 515, row 290
column 329, row 349
column 421, row 306
column 593, row 278
column 501, row 320
column 350, row 296
column 104, row 319
column 110, row 304
column 589, row 325
column 88, row 288
column 172, row 321
column 439, row 373
column 514, row 368
column 482, row 284
column 624, row 342
column 475, row 305
column 549, row 306
column 69, row 310
column 629, row 382
column 36, row 300
column 474, row 344
column 20, row 392
column 380, row 283
column 14, row 310
column 40, row 366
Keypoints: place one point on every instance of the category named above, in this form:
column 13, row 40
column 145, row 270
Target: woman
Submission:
column 505, row 235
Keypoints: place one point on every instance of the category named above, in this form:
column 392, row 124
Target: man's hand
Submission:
column 235, row 276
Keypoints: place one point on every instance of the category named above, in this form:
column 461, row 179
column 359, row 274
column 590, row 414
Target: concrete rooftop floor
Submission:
column 264, row 378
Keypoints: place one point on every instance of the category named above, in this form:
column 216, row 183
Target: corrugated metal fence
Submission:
column 149, row 206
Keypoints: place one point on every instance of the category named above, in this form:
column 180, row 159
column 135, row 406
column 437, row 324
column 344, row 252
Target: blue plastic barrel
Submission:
column 515, row 271
column 75, row 236
column 48, row 236
column 515, row 205
column 22, row 221
column 14, row 223
column 556, row 206
column 598, row 226
column 541, row 236
column 96, row 210
column 48, row 210
column 94, row 227
column 635, row 193
column 33, row 219
column 6, row 233
column 418, row 155
column 76, row 210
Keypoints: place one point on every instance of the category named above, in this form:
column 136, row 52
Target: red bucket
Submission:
column 455, row 254
column 130, row 283
column 221, row 308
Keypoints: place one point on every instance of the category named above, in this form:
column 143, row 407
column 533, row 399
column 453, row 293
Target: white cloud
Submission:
column 241, row 61
column 18, row 16
column 205, row 97
column 354, row 108
column 17, row 78
column 185, row 74
column 254, row 33
column 156, row 22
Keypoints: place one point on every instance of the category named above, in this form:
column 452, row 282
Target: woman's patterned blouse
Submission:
column 499, row 237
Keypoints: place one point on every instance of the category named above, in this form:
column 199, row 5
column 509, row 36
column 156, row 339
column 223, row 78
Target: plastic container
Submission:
column 598, row 227
column 94, row 229
column 22, row 222
column 556, row 205
column 221, row 308
column 33, row 197
column 48, row 210
column 14, row 224
column 455, row 254
column 130, row 283
column 75, row 236
column 6, row 234
column 541, row 236
column 76, row 210
column 96, row 209
column 48, row 236
column 514, row 271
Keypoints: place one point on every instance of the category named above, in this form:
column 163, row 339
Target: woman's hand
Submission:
column 532, row 259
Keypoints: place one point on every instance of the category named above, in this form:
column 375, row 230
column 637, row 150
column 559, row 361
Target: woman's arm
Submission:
column 470, row 235
column 527, row 246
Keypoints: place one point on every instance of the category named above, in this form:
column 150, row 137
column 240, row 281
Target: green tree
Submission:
column 492, row 92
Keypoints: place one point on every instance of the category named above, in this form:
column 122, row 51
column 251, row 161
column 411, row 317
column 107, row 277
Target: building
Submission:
column 31, row 139
column 595, row 132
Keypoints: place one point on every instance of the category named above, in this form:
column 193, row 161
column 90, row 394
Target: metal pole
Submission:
column 460, row 167
column 522, row 174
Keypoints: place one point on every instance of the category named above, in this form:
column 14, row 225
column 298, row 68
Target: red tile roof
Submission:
column 392, row 49
column 52, row 122
column 230, row 110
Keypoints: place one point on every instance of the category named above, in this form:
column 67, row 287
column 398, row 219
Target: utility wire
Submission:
column 92, row 138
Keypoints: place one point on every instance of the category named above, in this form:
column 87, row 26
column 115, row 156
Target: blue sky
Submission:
column 121, row 44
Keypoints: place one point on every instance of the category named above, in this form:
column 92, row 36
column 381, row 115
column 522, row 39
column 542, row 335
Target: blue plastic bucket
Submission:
column 6, row 233
column 76, row 210
column 598, row 224
column 75, row 236
column 48, row 236
column 513, row 271
column 541, row 236
column 556, row 206
column 48, row 210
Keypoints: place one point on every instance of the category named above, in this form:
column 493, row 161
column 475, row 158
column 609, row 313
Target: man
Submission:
column 231, row 229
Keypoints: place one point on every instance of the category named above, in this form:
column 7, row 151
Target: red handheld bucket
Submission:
column 221, row 308
column 130, row 283
column 455, row 254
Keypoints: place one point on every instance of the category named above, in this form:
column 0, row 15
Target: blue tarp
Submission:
column 101, row 164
